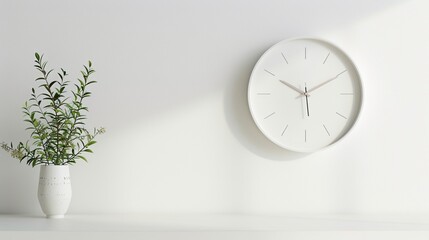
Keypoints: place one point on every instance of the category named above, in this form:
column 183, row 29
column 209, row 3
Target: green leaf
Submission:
column 37, row 56
column 52, row 84
column 49, row 72
column 82, row 157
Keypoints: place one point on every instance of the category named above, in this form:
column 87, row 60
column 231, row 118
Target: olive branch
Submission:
column 56, row 119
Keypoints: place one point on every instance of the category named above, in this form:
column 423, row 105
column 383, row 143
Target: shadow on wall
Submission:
column 236, row 108
column 18, row 186
column 173, row 70
column 170, row 76
column 240, row 121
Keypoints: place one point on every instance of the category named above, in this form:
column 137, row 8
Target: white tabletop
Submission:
column 204, row 226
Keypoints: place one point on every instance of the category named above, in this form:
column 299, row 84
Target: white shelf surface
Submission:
column 150, row 226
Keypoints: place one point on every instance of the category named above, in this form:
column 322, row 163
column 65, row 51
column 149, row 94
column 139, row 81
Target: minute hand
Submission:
column 326, row 82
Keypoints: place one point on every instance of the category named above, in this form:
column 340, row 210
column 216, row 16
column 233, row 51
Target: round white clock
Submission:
column 304, row 94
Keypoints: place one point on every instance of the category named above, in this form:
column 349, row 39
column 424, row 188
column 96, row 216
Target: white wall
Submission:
column 172, row 94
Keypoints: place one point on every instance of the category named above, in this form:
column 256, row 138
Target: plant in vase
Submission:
column 55, row 113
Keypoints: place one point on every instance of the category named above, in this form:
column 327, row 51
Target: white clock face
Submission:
column 304, row 94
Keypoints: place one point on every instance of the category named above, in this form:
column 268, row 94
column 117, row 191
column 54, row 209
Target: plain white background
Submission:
column 172, row 95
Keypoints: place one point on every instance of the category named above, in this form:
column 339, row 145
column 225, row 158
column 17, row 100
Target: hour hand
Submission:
column 293, row 87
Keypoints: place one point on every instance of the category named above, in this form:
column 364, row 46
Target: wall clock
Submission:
column 304, row 94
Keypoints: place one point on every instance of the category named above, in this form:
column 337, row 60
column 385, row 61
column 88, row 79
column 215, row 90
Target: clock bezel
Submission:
column 359, row 105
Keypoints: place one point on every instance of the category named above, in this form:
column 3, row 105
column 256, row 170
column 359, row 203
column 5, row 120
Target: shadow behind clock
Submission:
column 240, row 121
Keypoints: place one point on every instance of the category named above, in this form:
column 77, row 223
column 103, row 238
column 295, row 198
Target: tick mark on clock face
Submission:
column 339, row 114
column 305, row 53
column 285, row 58
column 269, row 72
column 305, row 135
column 327, row 57
column 326, row 130
column 271, row 114
column 284, row 130
column 264, row 94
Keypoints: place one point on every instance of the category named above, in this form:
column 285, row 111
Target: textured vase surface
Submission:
column 54, row 190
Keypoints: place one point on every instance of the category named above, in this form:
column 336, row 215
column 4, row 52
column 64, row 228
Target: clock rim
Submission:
column 360, row 105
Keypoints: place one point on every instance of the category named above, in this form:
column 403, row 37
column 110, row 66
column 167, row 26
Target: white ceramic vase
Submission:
column 54, row 190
